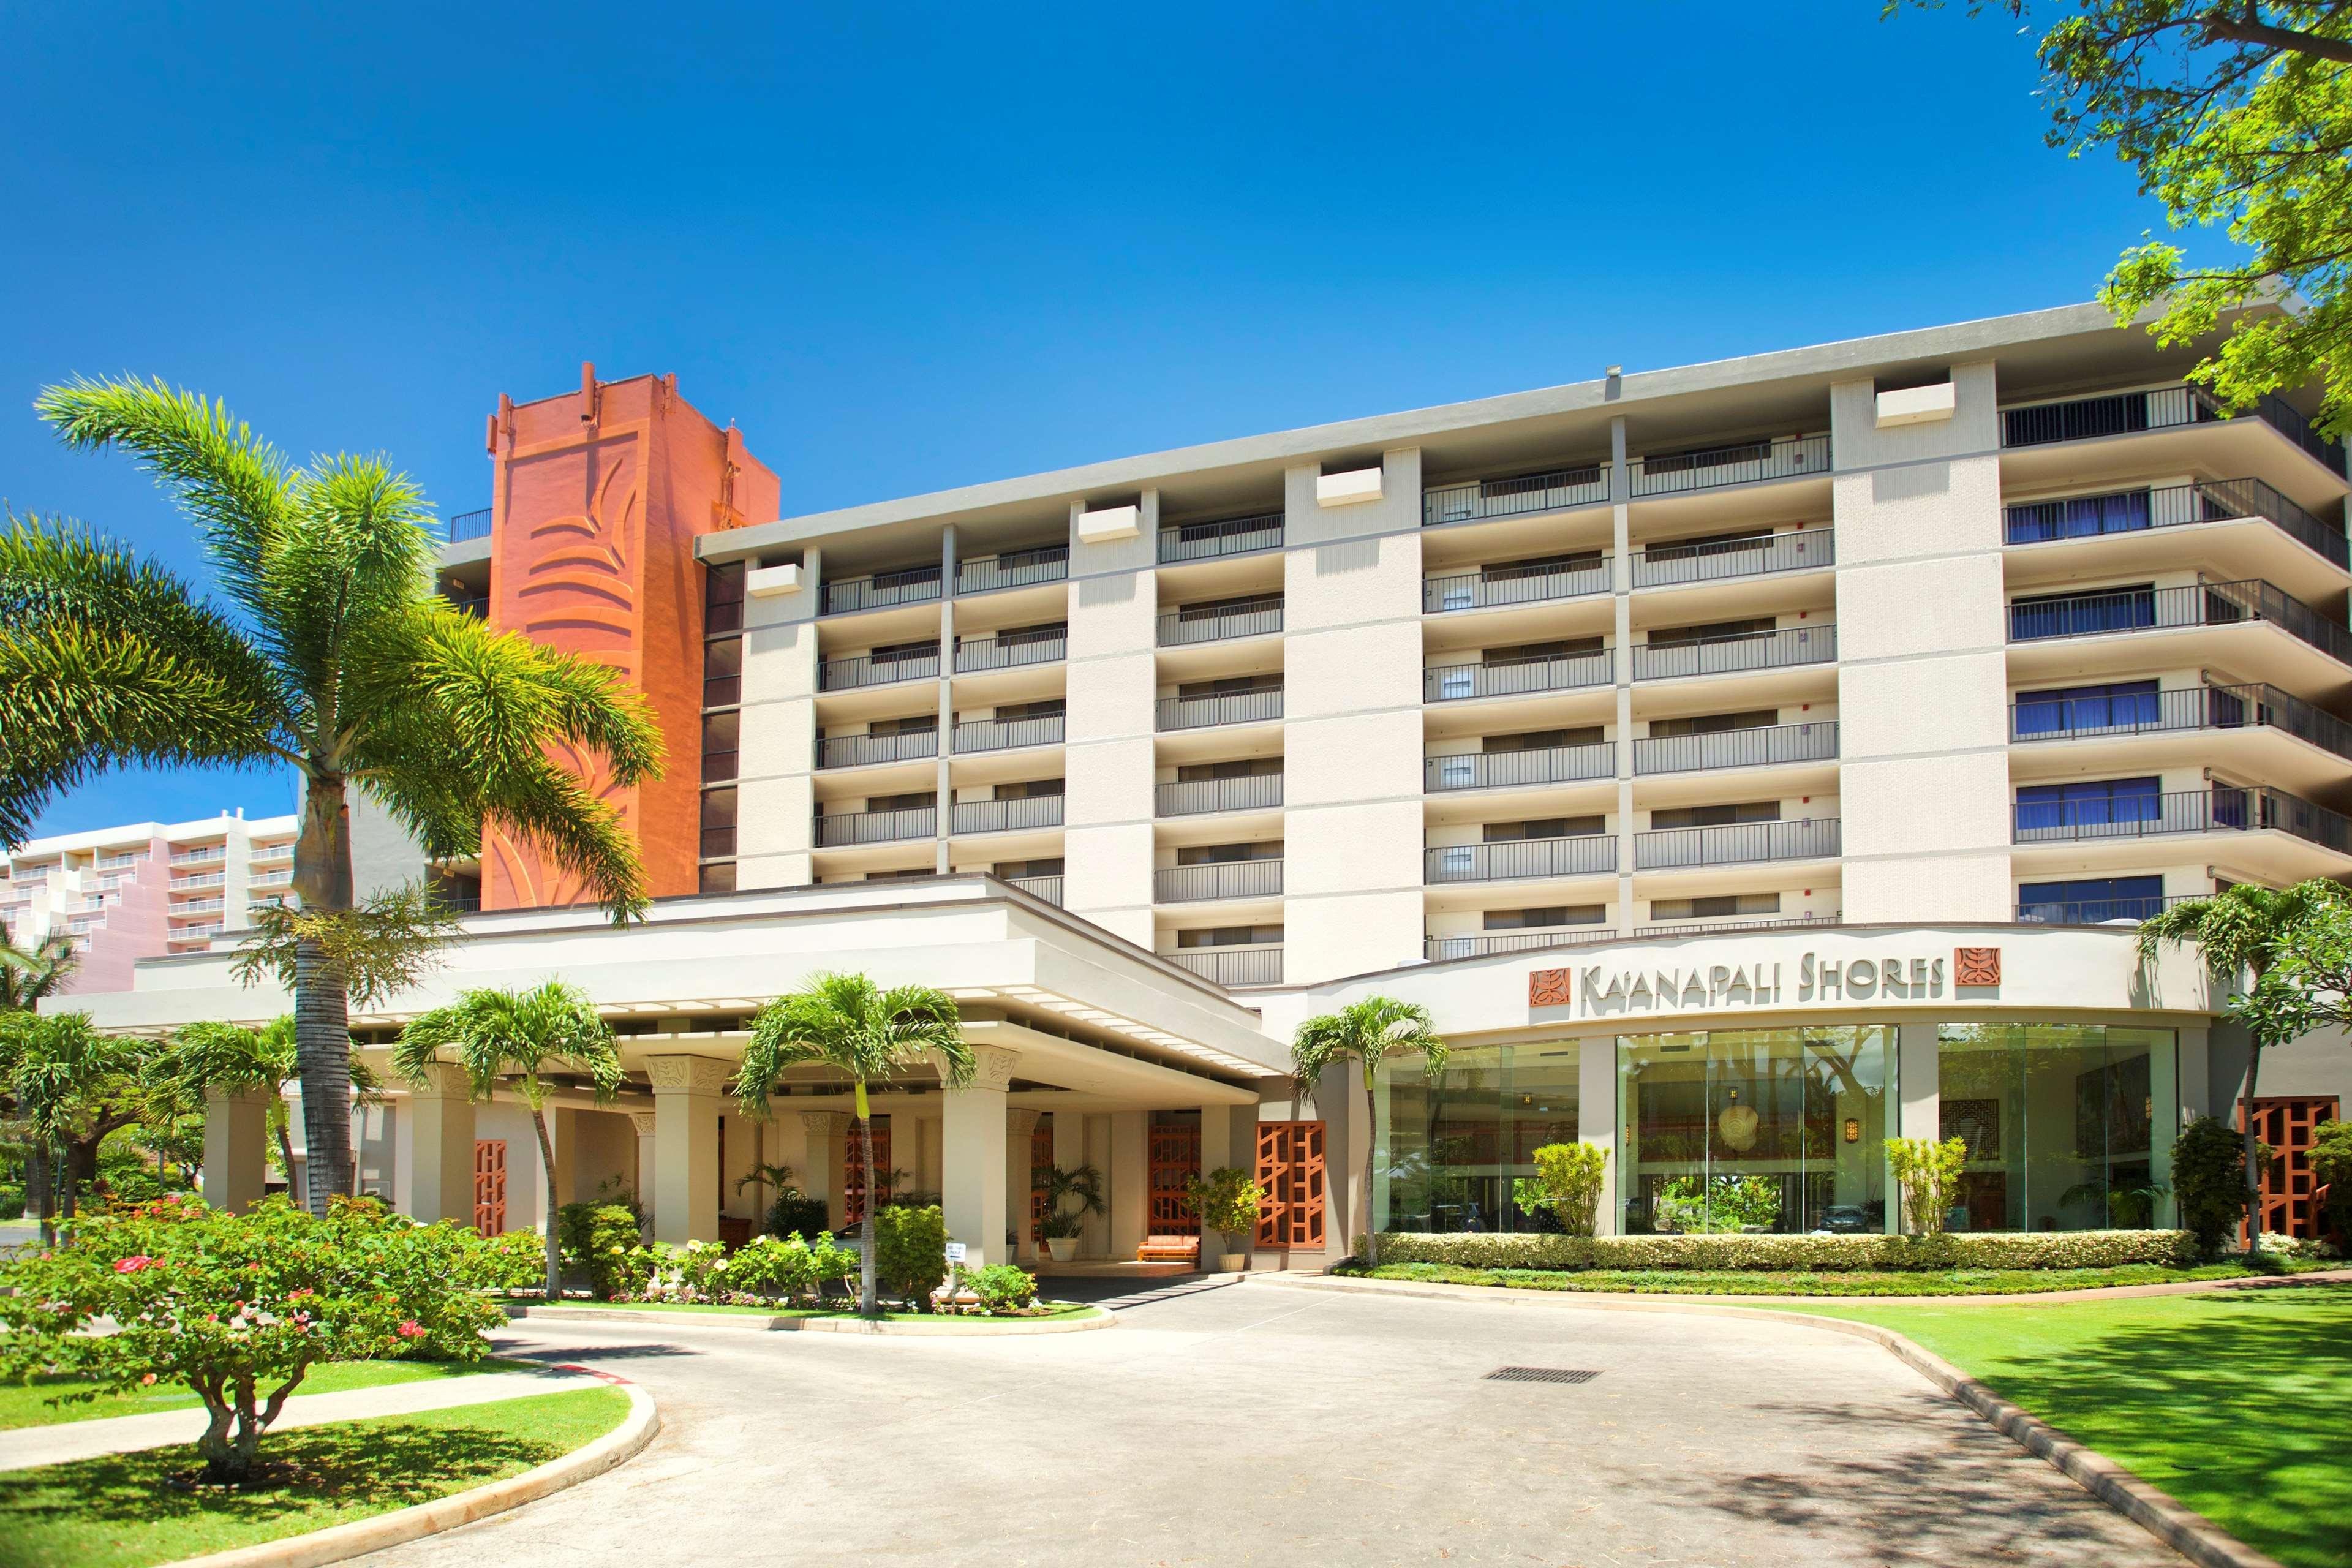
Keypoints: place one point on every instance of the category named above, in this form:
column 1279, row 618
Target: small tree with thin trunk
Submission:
column 1365, row 1034
column 847, row 1023
column 516, row 1037
column 213, row 1058
column 69, row 1086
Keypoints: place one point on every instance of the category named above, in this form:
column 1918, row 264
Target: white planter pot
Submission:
column 1063, row 1248
column 1233, row 1263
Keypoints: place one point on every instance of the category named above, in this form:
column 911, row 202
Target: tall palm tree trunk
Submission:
column 2253, row 1152
column 323, row 1035
column 1371, row 1142
column 41, row 1191
column 286, row 1145
column 64, row 1166
column 868, row 1306
column 547, row 1171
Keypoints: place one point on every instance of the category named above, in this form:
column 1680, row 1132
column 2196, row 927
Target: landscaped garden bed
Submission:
column 1819, row 1282
column 1041, row 1311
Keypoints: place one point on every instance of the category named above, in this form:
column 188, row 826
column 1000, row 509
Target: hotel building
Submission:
column 1744, row 762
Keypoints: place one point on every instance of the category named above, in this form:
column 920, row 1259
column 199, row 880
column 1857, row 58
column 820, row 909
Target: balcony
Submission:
column 1192, row 797
column 1437, row 949
column 1786, row 648
column 1047, row 888
column 1232, row 708
column 864, row 670
column 1011, row 650
column 1207, row 541
column 473, row 606
column 1761, row 748
column 1218, row 880
column 202, row 880
column 211, row 854
column 859, row 751
column 1231, row 967
column 198, row 907
column 1517, row 677
column 1013, row 569
column 1667, row 565
column 2164, row 712
column 1504, row 770
column 183, row 933
column 1703, row 928
column 2165, row 609
column 1530, row 585
column 2222, row 808
column 1517, row 860
column 2099, row 911
column 1736, row 844
column 466, row 525
column 851, row 829
column 265, row 853
column 1745, row 463
column 1553, row 491
column 914, row 585
column 1008, row 816
column 2163, row 408
column 1004, row 734
column 2169, row 506
column 1215, row 623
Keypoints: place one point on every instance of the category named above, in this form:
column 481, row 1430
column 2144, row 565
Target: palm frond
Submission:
column 494, row 1035
column 1363, row 1033
column 845, row 1022
column 385, row 944
column 351, row 559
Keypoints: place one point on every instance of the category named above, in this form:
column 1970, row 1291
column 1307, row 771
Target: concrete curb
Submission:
column 361, row 1536
column 2181, row 1528
column 753, row 1322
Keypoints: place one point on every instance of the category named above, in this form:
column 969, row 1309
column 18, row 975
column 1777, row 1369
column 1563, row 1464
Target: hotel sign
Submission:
column 1816, row 977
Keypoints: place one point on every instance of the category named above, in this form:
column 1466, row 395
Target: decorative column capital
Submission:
column 826, row 1123
column 995, row 1066
column 687, row 1075
column 644, row 1121
column 1021, row 1122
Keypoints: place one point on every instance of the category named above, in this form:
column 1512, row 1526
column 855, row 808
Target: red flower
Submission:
column 410, row 1329
column 133, row 1264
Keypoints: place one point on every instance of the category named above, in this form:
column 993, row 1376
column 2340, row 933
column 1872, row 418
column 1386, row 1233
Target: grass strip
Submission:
column 28, row 1404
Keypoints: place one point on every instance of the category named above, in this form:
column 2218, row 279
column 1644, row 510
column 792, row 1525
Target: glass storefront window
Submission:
column 1454, row 1144
column 2061, row 1122
column 1754, row 1129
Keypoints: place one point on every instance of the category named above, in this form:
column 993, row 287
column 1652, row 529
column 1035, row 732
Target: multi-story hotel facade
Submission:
column 1744, row 762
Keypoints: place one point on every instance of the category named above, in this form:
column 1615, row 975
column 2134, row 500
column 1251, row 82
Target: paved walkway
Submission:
column 29, row 1446
column 1242, row 1424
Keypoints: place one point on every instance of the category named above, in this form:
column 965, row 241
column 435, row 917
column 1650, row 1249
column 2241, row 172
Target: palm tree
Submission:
column 1365, row 1033
column 492, row 1035
column 67, row 1084
column 2239, row 931
column 847, row 1023
column 29, row 973
column 225, row 1059
column 332, row 657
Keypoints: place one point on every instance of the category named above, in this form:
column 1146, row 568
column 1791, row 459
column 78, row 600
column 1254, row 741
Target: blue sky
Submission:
column 905, row 247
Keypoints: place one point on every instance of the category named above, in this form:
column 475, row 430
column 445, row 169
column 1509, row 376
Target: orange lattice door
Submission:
column 490, row 1186
column 1175, row 1161
column 1041, row 1162
column 1290, row 1169
column 2290, row 1190
column 852, row 1178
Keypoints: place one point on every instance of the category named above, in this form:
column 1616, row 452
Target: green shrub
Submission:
column 513, row 1260
column 2331, row 1161
column 910, row 1253
column 1228, row 1201
column 601, row 1241
column 794, row 1212
column 1981, row 1249
column 2208, row 1180
column 1718, row 1204
column 1929, row 1174
column 11, row 1203
column 1569, row 1176
column 1003, row 1287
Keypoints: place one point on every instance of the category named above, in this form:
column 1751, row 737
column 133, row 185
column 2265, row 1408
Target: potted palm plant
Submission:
column 1228, row 1201
column 1060, row 1228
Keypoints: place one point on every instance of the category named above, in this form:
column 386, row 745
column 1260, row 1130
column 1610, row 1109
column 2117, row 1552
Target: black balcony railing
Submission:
column 1737, row 748
column 1231, row 967
column 1206, row 541
column 2169, row 506
column 2166, row 609
column 1789, row 647
column 1745, row 463
column 1009, row 650
column 473, row 606
column 1516, row 859
column 1028, row 811
column 858, row 751
column 865, row 670
column 1003, row 734
column 843, row 829
column 1528, row 585
column 2059, row 718
column 1736, row 843
column 912, row 586
column 2222, row 808
column 1013, row 569
column 1552, row 491
column 2098, row 911
column 1509, row 677
column 466, row 525
column 2161, row 408
column 1232, row 708
column 1218, row 880
column 1190, row 798
column 1438, row 948
column 1047, row 888
column 1502, row 770
column 1662, row 566
column 1215, row 623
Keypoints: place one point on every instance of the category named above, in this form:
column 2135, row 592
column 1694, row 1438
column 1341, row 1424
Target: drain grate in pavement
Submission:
column 1540, row 1374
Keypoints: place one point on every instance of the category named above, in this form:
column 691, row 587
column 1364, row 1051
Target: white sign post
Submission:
column 955, row 1276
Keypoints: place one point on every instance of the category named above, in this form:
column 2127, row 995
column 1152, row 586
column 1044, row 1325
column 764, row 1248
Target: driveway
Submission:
column 1230, row 1422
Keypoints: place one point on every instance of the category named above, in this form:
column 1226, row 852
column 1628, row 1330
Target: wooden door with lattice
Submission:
column 2290, row 1187
column 1290, row 1169
column 853, row 1177
column 490, row 1186
column 1175, row 1161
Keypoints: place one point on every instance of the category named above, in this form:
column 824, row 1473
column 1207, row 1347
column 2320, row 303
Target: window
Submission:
column 1544, row 827
column 1541, row 566
column 1710, row 631
column 2120, row 705
column 905, row 652
column 1210, row 609
column 1706, row 544
column 911, row 800
column 2077, row 517
column 1028, row 789
column 722, row 598
column 2080, row 613
column 718, row 879
column 1051, row 867
column 1244, row 768
column 2092, row 803
column 719, row 733
column 2092, row 900
column 2066, row 1125
column 722, row 672
column 1454, row 1143
column 915, row 724
column 1228, row 854
column 718, row 823
column 1545, row 918
column 1714, row 723
column 1715, row 815
column 1231, row 936
column 1722, row 907
column 1044, row 708
column 1535, row 652
column 1542, row 739
column 1230, row 686
column 1017, row 636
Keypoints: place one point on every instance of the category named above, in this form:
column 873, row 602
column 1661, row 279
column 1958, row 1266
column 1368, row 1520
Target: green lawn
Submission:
column 1840, row 1282
column 1069, row 1310
column 120, row 1512
column 2231, row 1401
column 27, row 1405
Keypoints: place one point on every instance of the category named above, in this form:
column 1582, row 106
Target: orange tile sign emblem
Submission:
column 1976, row 966
column 1551, row 987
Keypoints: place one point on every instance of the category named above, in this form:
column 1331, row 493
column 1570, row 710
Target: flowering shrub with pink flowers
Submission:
column 239, row 1307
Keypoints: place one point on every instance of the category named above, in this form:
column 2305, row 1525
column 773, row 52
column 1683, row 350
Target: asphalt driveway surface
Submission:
column 1234, row 1423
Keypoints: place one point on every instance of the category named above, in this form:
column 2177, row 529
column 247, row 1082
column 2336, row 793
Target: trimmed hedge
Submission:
column 1990, row 1249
